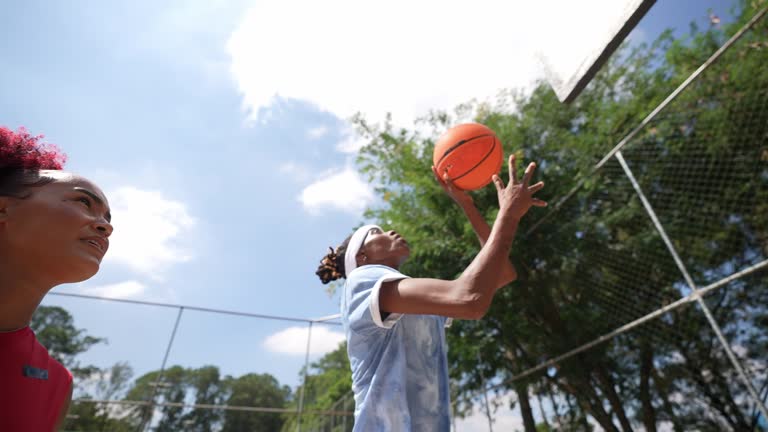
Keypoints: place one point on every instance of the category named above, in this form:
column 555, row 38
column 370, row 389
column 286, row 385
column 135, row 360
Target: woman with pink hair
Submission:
column 54, row 229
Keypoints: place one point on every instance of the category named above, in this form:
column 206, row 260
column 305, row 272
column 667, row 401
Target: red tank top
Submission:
column 33, row 386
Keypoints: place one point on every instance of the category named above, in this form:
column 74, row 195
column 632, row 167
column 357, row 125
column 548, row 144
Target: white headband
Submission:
column 353, row 247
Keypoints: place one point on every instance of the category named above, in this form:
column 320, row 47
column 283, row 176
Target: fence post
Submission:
column 304, row 385
column 159, row 380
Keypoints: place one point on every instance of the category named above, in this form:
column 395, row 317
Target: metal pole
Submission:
column 696, row 291
column 160, row 374
column 323, row 320
column 304, row 386
column 485, row 396
column 626, row 327
column 344, row 419
column 654, row 113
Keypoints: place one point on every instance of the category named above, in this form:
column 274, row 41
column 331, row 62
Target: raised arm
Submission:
column 479, row 225
column 470, row 295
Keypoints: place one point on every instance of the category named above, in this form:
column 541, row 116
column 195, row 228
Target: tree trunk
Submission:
column 543, row 413
column 525, row 406
column 609, row 390
column 522, row 394
column 663, row 390
column 646, row 365
column 589, row 401
column 726, row 406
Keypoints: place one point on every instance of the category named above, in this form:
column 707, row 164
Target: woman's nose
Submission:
column 104, row 228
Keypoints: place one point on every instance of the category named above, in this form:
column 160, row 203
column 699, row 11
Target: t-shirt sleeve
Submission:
column 363, row 286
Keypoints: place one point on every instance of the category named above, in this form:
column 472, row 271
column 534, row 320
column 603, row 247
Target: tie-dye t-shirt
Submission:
column 399, row 364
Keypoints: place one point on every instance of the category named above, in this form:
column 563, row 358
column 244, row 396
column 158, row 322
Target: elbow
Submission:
column 475, row 306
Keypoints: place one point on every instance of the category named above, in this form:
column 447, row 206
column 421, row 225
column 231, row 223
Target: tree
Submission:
column 255, row 390
column 205, row 386
column 328, row 388
column 598, row 262
column 110, row 384
column 56, row 331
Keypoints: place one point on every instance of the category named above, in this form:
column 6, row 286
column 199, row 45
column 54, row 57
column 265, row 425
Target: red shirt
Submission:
column 33, row 386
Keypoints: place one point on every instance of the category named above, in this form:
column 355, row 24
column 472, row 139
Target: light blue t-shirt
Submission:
column 399, row 364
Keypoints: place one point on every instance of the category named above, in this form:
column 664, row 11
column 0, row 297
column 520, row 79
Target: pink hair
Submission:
column 21, row 150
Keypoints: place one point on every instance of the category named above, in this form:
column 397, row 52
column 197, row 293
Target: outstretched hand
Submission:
column 517, row 197
column 460, row 196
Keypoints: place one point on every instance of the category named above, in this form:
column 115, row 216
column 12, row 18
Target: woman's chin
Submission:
column 82, row 271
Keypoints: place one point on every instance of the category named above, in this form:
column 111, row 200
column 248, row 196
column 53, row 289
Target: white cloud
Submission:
column 404, row 57
column 293, row 340
column 123, row 290
column 148, row 230
column 317, row 132
column 352, row 142
column 408, row 59
column 344, row 191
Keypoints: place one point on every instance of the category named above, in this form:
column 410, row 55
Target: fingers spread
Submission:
column 537, row 187
column 529, row 173
column 498, row 183
column 512, row 170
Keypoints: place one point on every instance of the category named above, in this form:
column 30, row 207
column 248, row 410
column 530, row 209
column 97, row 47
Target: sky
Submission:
column 219, row 131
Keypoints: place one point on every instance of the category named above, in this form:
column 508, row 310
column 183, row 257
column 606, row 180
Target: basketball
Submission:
column 470, row 153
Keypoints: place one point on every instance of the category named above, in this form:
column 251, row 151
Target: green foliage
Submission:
column 255, row 390
column 55, row 328
column 56, row 331
column 328, row 388
column 594, row 261
column 205, row 386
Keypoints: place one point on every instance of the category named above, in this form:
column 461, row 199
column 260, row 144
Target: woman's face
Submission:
column 61, row 228
column 388, row 248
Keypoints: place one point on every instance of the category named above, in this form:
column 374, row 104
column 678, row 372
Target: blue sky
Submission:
column 218, row 131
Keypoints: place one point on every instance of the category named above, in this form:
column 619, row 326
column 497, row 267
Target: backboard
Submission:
column 578, row 36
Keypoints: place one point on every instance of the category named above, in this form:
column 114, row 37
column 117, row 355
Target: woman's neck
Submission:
column 19, row 297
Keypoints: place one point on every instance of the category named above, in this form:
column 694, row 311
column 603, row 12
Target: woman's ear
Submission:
column 361, row 258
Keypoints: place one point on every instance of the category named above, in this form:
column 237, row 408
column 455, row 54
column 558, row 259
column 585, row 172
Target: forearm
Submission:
column 479, row 225
column 507, row 272
column 479, row 282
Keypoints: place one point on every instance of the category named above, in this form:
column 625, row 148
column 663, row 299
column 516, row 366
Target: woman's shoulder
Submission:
column 371, row 272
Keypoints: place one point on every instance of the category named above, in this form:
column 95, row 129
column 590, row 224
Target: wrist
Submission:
column 507, row 223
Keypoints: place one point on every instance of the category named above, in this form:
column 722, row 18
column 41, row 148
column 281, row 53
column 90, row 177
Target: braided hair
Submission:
column 331, row 266
column 22, row 158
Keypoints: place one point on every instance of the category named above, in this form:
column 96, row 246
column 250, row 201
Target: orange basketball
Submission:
column 470, row 153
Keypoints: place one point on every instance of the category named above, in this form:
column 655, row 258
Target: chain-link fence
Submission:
column 173, row 397
column 671, row 251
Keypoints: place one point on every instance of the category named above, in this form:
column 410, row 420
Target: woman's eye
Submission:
column 85, row 201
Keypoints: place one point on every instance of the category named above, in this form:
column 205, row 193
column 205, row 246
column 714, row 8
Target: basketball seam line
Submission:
column 459, row 144
column 481, row 161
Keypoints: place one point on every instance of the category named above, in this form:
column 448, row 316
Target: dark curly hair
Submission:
column 22, row 158
column 331, row 266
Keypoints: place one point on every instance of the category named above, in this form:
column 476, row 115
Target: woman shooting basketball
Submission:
column 395, row 324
